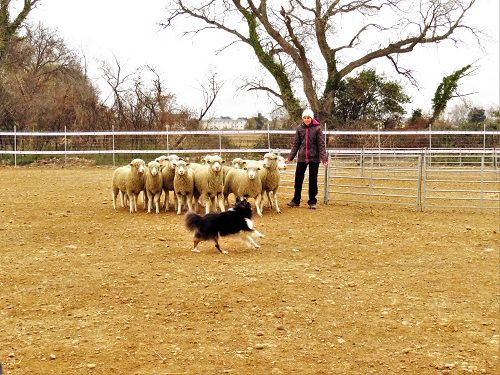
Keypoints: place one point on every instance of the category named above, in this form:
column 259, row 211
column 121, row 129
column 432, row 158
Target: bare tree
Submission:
column 9, row 28
column 210, row 93
column 343, row 35
column 117, row 79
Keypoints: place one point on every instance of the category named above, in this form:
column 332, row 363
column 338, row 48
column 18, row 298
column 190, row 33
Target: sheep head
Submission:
column 154, row 167
column 281, row 162
column 138, row 164
column 237, row 163
column 215, row 163
column 251, row 171
column 181, row 167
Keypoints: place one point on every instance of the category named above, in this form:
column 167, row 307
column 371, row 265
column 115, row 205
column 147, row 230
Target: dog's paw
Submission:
column 195, row 250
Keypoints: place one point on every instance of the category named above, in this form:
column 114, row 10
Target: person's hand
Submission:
column 325, row 162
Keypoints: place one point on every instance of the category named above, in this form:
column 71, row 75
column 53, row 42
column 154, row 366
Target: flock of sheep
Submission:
column 208, row 183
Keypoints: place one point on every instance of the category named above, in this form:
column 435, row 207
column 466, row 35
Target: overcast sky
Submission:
column 129, row 30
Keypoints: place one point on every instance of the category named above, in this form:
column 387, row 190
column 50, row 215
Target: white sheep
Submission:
column 129, row 180
column 245, row 183
column 168, row 172
column 162, row 160
column 183, row 185
column 281, row 163
column 153, row 185
column 208, row 184
column 270, row 178
column 237, row 163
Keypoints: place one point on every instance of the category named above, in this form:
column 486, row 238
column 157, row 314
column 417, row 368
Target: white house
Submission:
column 224, row 123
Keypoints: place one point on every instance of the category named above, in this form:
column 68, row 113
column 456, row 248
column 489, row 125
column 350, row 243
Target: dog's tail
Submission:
column 193, row 220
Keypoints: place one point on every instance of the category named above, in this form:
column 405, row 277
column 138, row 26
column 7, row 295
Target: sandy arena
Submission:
column 345, row 289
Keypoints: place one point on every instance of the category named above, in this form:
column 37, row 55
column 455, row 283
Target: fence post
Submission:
column 113, row 142
column 363, row 162
column 326, row 183
column 419, row 181
column 482, row 180
column 168, row 148
column 65, row 147
column 430, row 144
column 15, row 146
column 268, row 138
column 326, row 145
column 484, row 137
column 378, row 136
column 220, row 142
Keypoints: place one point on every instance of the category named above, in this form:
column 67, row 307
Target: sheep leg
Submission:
column 189, row 199
column 123, row 198
column 208, row 202
column 115, row 193
column 275, row 196
column 262, row 203
column 220, row 199
column 136, row 199
column 269, row 200
column 145, row 198
column 150, row 201
column 131, row 198
column 257, row 204
column 157, row 202
column 176, row 201
column 179, row 203
column 167, row 200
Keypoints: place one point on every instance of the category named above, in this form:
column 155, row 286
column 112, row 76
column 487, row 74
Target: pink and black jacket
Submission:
column 309, row 142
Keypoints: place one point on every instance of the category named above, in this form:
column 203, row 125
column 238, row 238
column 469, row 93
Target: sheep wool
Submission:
column 270, row 177
column 245, row 183
column 153, row 185
column 183, row 185
column 129, row 180
column 208, row 183
column 168, row 172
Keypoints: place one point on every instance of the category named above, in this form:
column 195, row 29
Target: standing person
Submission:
column 310, row 145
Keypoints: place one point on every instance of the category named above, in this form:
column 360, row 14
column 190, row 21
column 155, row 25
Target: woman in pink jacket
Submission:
column 309, row 146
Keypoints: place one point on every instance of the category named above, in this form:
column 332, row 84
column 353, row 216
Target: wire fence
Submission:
column 423, row 169
column 110, row 147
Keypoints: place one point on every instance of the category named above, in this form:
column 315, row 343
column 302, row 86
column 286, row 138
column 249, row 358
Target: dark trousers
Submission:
column 300, row 172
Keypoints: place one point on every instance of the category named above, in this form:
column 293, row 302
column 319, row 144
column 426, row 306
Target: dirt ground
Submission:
column 345, row 289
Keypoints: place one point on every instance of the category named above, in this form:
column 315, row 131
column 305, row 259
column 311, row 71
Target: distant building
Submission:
column 224, row 123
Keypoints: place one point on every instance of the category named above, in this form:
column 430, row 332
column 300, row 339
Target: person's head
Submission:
column 307, row 116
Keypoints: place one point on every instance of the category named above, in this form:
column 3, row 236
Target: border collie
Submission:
column 218, row 224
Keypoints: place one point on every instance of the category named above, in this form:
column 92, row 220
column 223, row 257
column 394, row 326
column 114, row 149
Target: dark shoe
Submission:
column 292, row 204
column 312, row 206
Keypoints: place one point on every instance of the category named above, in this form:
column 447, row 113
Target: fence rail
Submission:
column 228, row 141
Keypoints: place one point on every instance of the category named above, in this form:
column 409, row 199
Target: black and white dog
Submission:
column 237, row 219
